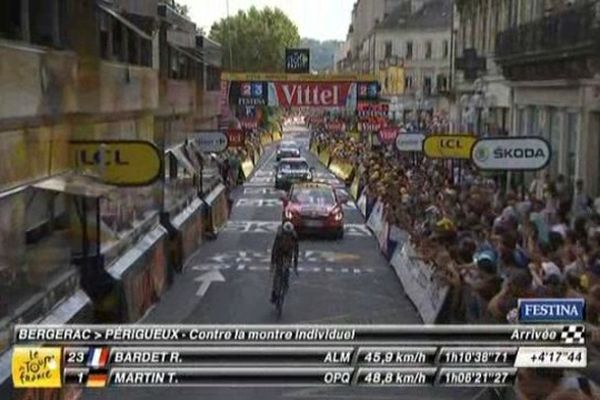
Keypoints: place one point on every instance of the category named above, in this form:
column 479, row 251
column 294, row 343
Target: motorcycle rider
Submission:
column 285, row 249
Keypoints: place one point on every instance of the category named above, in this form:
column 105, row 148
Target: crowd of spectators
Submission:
column 499, row 244
column 491, row 245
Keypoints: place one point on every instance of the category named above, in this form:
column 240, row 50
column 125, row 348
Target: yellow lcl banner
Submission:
column 118, row 162
column 36, row 367
column 449, row 146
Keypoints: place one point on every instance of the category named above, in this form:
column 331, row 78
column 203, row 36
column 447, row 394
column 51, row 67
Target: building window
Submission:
column 572, row 143
column 133, row 48
column 10, row 20
column 445, row 49
column 534, row 121
column 409, row 50
column 43, row 25
column 427, row 85
column 388, row 49
column 104, row 21
column 42, row 21
column 442, row 83
column 408, row 82
column 484, row 26
column 213, row 82
column 553, row 136
column 521, row 122
column 117, row 42
column 428, row 50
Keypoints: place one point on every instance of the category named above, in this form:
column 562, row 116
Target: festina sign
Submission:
column 511, row 154
column 249, row 101
column 312, row 94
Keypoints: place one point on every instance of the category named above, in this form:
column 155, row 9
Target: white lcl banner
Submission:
column 410, row 142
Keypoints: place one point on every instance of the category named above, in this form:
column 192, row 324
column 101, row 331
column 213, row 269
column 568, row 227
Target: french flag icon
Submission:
column 98, row 357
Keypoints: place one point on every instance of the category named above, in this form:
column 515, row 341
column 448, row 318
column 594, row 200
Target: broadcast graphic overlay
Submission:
column 96, row 356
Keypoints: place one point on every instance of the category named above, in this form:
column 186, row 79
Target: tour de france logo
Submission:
column 36, row 367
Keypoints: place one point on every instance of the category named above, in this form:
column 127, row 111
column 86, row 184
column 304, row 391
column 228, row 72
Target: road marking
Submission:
column 271, row 227
column 243, row 257
column 271, row 174
column 207, row 279
column 216, row 267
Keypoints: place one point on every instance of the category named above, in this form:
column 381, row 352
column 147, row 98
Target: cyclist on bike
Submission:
column 283, row 254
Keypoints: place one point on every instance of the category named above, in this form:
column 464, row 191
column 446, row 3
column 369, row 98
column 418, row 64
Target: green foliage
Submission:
column 182, row 9
column 257, row 39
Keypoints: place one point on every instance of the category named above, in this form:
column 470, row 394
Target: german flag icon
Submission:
column 97, row 380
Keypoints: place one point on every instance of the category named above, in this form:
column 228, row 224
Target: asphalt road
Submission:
column 227, row 282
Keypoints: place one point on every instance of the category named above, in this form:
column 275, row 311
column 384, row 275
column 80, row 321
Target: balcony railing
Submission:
column 557, row 36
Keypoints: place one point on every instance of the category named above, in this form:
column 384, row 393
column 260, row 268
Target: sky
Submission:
column 316, row 19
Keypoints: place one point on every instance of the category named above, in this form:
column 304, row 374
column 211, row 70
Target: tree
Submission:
column 182, row 9
column 257, row 39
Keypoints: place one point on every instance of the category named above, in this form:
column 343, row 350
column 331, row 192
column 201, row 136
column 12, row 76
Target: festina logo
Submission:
column 321, row 94
column 242, row 101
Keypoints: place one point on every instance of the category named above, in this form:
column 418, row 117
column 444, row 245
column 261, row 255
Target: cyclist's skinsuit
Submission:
column 285, row 250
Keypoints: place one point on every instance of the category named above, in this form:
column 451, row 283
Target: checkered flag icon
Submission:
column 573, row 334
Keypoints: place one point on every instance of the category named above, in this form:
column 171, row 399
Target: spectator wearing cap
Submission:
column 482, row 283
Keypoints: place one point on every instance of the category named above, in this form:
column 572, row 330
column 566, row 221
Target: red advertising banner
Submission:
column 371, row 126
column 236, row 137
column 249, row 124
column 312, row 94
column 388, row 135
column 367, row 110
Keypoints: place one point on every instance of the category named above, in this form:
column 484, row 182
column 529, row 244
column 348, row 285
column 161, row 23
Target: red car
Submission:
column 315, row 208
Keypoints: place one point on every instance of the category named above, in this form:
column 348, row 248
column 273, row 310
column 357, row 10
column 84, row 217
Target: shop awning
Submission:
column 125, row 22
column 75, row 185
column 191, row 54
column 182, row 159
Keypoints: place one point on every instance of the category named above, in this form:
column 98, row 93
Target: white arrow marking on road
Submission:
column 207, row 279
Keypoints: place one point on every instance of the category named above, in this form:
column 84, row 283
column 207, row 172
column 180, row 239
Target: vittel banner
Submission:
column 511, row 154
column 312, row 94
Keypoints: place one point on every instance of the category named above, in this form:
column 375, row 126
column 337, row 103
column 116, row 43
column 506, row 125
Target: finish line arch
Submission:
column 298, row 90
